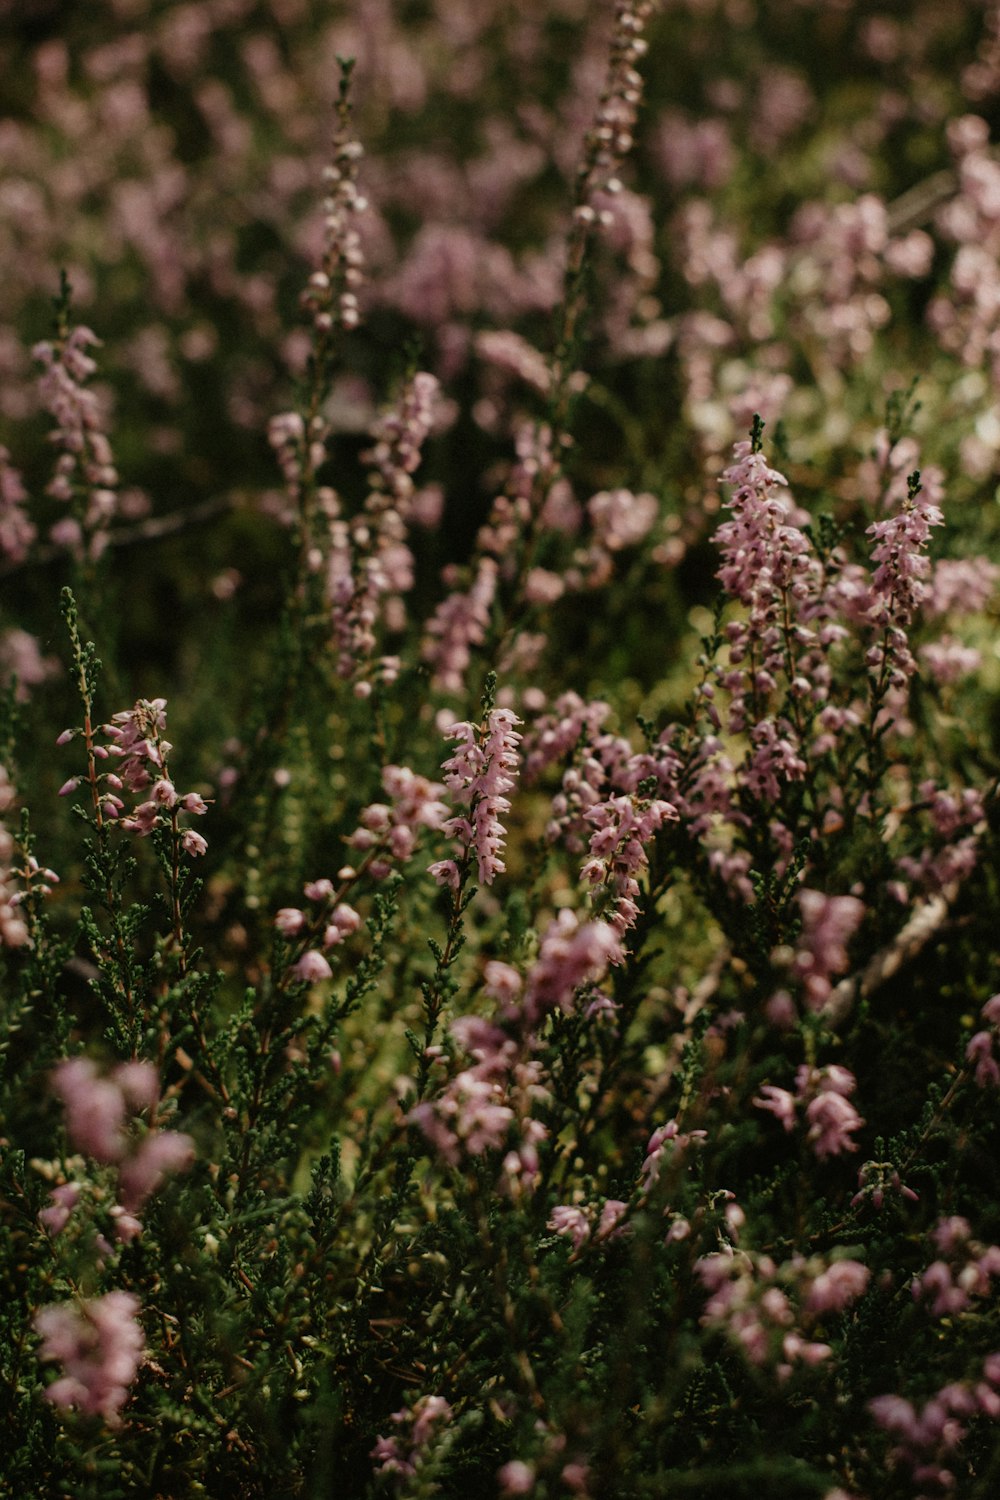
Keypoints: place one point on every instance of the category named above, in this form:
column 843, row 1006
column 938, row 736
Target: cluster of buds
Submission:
column 17, row 883
column 85, row 471
column 878, row 1180
column 141, row 750
column 370, row 563
column 331, row 293
column 610, row 137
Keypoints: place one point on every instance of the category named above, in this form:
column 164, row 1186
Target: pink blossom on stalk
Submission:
column 571, row 954
column 144, row 1170
column 572, row 1222
column 85, row 466
column 289, row 920
column 828, row 923
column 779, row 1102
column 311, row 967
column 830, row 1115
column 460, row 622
column 99, row 1344
column 17, row 532
column 98, row 1112
column 842, row 1283
column 664, row 1136
column 417, row 1427
column 95, row 1109
column 62, row 1201
column 623, row 829
column 479, row 774
column 899, row 580
column 391, row 830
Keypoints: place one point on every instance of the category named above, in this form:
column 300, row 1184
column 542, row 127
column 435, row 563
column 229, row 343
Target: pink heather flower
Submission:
column 779, row 1102
column 311, row 967
column 460, row 622
column 623, row 827
column 663, row 1136
column 95, row 1109
column 62, row 1201
column 571, row 954
column 406, row 1449
column 899, row 580
column 610, row 1225
column 143, row 1172
column 571, row 1222
column 842, row 1283
column 192, row 842
column 621, row 519
column 828, row 923
column 99, row 1344
column 516, row 1478
column 832, row 1119
column 289, row 920
column 479, row 774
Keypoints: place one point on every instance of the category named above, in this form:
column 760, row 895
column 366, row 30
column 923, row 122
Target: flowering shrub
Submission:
column 532, row 1027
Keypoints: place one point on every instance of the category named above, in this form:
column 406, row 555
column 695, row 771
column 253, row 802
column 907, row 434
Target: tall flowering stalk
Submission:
column 479, row 774
column 86, row 477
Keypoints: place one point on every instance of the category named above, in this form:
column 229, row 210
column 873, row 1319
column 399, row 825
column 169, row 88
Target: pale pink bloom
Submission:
column 95, row 1109
column 142, row 1173
column 62, row 1201
column 779, row 1102
column 832, row 1119
column 311, row 967
column 828, row 923
column 192, row 842
column 405, row 1450
column 571, row 1222
column 610, row 1225
column 289, row 920
column 99, row 1344
column 516, row 1478
column 570, row 954
column 842, row 1283
column 478, row 775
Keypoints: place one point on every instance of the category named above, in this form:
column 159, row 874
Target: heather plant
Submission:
column 536, row 1031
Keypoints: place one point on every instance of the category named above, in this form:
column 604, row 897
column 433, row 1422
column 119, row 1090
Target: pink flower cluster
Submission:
column 585, row 1225
column 417, row 1426
column 828, row 923
column 16, row 885
column 623, row 828
column 982, row 1046
column 369, row 563
column 829, row 1114
column 388, row 832
column 100, row 1115
column 99, row 1343
column 85, row 470
column 17, row 531
column 331, row 295
column 948, row 1289
column 925, row 1436
column 753, row 1300
column 141, row 749
column 479, row 774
